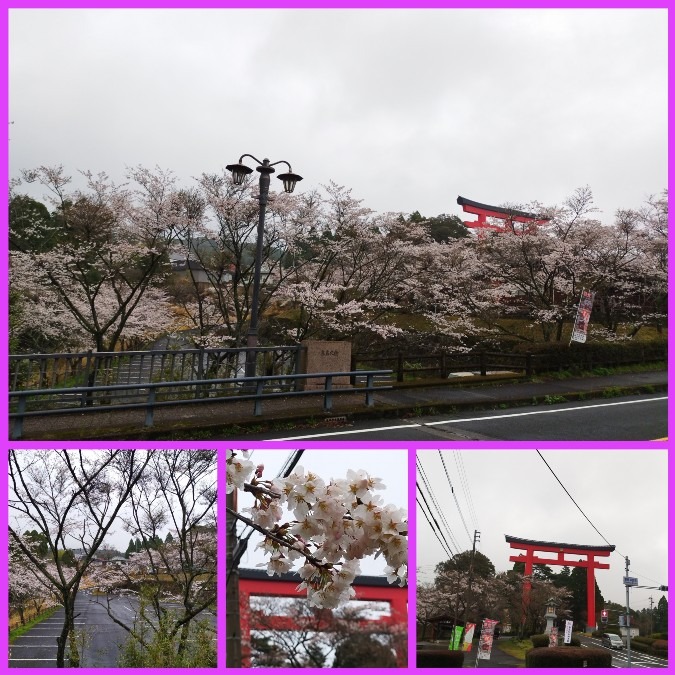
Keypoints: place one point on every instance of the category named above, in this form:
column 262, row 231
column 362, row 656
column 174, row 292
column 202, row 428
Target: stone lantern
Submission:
column 551, row 606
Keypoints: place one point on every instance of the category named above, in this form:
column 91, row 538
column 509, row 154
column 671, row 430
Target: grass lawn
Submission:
column 514, row 647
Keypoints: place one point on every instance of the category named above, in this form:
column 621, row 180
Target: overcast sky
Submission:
column 624, row 493
column 410, row 108
column 389, row 465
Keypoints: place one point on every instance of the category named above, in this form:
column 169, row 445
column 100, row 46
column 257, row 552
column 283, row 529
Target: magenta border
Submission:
column 327, row 445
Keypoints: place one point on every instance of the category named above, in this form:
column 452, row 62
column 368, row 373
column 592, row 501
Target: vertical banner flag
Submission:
column 568, row 631
column 553, row 637
column 456, row 638
column 580, row 329
column 468, row 636
column 485, row 640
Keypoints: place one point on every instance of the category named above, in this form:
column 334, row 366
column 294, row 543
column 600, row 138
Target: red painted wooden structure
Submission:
column 485, row 211
column 368, row 588
column 590, row 553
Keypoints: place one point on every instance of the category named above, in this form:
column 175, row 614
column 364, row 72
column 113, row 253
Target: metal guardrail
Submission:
column 189, row 392
column 47, row 371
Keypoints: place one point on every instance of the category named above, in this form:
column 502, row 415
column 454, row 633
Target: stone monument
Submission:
column 326, row 356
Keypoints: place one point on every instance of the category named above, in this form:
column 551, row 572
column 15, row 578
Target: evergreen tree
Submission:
column 482, row 565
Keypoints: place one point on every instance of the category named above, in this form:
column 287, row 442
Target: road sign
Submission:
column 630, row 581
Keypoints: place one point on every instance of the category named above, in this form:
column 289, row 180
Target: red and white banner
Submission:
column 580, row 330
column 468, row 637
column 486, row 636
column 553, row 637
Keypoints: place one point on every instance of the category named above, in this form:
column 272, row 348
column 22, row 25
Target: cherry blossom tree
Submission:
column 69, row 497
column 217, row 246
column 356, row 264
column 27, row 586
column 102, row 250
column 178, row 492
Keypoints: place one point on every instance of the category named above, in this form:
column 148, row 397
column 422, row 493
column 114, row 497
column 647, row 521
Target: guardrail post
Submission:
column 529, row 371
column 370, row 399
column 399, row 368
column 483, row 364
column 328, row 397
column 150, row 409
column 17, row 427
column 257, row 406
column 352, row 367
column 444, row 372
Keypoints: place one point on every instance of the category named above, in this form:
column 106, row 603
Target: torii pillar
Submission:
column 590, row 553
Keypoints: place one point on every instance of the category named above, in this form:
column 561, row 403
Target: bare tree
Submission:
column 70, row 497
column 178, row 492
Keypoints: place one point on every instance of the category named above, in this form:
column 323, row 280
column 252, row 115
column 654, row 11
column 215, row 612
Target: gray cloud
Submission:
column 407, row 107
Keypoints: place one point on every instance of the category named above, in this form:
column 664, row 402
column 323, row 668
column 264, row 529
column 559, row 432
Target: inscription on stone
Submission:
column 326, row 356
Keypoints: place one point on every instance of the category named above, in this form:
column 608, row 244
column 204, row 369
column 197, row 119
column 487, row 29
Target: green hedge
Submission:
column 590, row 355
column 439, row 658
column 568, row 657
column 541, row 640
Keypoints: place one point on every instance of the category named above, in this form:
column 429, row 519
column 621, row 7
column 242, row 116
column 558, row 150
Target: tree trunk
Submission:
column 67, row 637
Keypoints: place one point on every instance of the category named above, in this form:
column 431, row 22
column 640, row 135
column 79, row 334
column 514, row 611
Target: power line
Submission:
column 461, row 471
column 452, row 490
column 573, row 500
column 442, row 543
column 430, row 491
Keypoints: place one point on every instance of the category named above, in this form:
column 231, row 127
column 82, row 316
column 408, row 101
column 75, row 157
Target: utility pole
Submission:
column 651, row 615
column 476, row 537
column 627, row 617
column 232, row 614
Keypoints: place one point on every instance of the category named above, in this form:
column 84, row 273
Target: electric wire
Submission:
column 439, row 511
column 454, row 496
column 464, row 481
column 437, row 535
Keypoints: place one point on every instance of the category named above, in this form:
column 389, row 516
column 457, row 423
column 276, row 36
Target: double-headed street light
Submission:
column 239, row 172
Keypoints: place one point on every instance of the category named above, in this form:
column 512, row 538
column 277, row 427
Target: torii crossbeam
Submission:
column 485, row 211
column 590, row 553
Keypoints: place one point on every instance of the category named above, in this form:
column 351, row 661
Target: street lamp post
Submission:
column 239, row 172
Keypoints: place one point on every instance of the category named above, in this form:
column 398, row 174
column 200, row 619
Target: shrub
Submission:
column 660, row 646
column 540, row 640
column 574, row 642
column 439, row 658
column 644, row 640
column 568, row 657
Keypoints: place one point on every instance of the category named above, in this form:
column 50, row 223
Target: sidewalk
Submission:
column 400, row 401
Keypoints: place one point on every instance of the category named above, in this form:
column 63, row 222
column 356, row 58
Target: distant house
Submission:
column 119, row 560
column 634, row 631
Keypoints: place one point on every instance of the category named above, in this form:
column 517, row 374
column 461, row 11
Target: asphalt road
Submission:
column 626, row 418
column 102, row 637
column 620, row 657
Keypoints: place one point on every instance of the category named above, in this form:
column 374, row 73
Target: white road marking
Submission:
column 546, row 412
column 468, row 419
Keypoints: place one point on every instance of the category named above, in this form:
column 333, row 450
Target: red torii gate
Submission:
column 530, row 558
column 485, row 211
column 368, row 588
